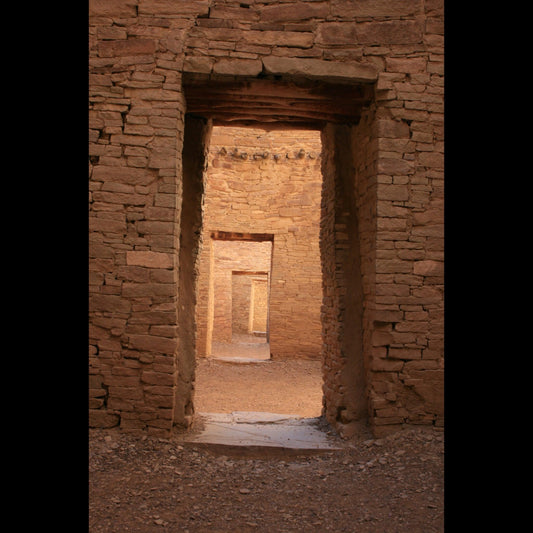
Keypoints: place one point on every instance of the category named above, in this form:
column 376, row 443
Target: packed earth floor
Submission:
column 144, row 484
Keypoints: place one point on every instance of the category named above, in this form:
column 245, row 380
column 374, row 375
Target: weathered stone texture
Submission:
column 139, row 52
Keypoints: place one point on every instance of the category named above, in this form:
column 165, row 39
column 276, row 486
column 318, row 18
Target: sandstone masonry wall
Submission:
column 142, row 332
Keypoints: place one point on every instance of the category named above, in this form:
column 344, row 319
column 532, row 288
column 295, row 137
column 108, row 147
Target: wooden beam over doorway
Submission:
column 238, row 236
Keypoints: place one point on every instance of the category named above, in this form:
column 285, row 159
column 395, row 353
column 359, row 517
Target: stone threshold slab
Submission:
column 259, row 430
column 241, row 359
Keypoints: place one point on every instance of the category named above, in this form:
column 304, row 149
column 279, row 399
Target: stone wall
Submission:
column 146, row 163
column 261, row 181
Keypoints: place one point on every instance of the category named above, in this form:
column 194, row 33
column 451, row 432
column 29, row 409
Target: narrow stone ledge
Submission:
column 284, row 66
column 238, row 67
column 320, row 69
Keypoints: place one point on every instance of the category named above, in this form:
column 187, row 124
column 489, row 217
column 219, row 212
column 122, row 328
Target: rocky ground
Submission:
column 144, row 484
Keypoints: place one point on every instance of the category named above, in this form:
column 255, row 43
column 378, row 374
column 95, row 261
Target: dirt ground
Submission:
column 144, row 484
column 285, row 387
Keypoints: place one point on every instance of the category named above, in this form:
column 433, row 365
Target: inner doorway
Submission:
column 238, row 296
column 260, row 272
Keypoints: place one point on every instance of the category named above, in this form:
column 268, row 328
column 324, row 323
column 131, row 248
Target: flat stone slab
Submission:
column 268, row 430
column 241, row 360
column 241, row 352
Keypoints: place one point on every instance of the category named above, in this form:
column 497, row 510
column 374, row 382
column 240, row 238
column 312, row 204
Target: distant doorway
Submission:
column 249, row 304
column 238, row 298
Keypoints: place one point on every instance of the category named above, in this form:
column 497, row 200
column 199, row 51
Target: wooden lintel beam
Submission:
column 238, row 236
column 276, row 125
column 313, row 91
column 240, row 118
column 250, row 272
column 337, row 107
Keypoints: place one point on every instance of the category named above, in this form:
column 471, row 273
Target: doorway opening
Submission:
column 238, row 295
column 341, row 118
column 250, row 300
column 249, row 314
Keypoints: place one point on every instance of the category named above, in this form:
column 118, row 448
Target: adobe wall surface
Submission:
column 385, row 272
column 261, row 181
